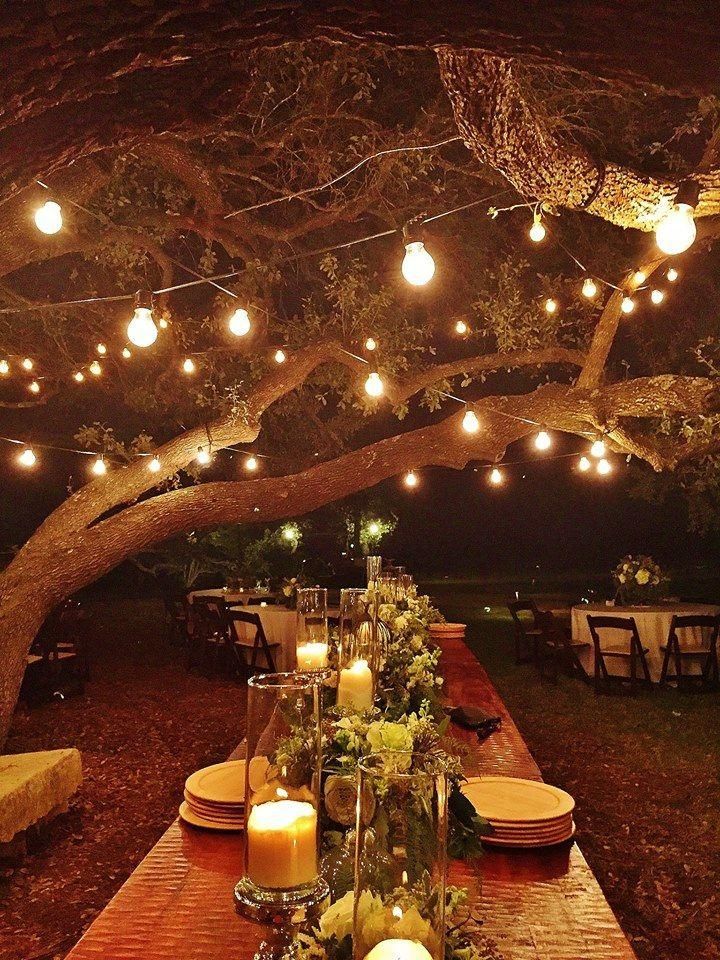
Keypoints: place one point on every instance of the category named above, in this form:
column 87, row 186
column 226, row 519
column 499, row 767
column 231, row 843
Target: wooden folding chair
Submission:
column 631, row 652
column 682, row 650
column 557, row 647
column 527, row 632
column 249, row 641
column 210, row 636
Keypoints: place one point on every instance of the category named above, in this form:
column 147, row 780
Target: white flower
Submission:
column 337, row 921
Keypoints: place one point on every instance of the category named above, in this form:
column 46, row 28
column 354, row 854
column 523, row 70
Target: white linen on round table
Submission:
column 231, row 596
column 653, row 624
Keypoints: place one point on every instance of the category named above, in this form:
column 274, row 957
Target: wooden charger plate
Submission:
column 189, row 816
column 528, row 844
column 511, row 800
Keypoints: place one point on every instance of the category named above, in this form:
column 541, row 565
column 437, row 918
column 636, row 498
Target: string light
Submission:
column 126, row 353
column 676, row 232
column 99, row 467
column 34, row 387
column 461, row 327
column 4, row 368
column 551, row 305
column 371, row 344
column 27, row 364
column 411, row 479
column 543, row 440
column 584, row 464
column 598, row 449
column 589, row 288
column 101, row 349
column 78, row 376
column 374, row 387
column 203, row 456
column 280, row 356
column 239, row 323
column 154, row 465
column 95, row 368
column 418, row 267
column 537, row 231
column 627, row 305
column 251, row 464
column 373, row 528
column 142, row 330
column 470, row 422
column 672, row 274
column 496, row 477
column 48, row 217
column 189, row 365
column 657, row 296
column 604, row 467
column 639, row 277
column 162, row 323
column 27, row 458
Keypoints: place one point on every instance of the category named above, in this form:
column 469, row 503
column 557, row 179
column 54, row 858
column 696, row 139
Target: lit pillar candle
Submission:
column 312, row 656
column 355, row 686
column 398, row 950
column 282, row 844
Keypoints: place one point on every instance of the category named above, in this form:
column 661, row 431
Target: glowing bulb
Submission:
column 639, row 277
column 676, row 231
column 537, row 230
column 598, row 449
column 461, row 327
column 551, row 305
column 584, row 464
column 101, row 349
column 589, row 288
column 142, row 330
column 604, row 467
column 280, row 356
column 374, row 528
column 371, row 344
column 79, row 376
column 27, row 364
column 290, row 533
column 126, row 353
column 203, row 456
column 48, row 217
column 627, row 305
column 154, row 465
column 34, row 387
column 496, row 477
column 657, row 296
column 162, row 323
column 374, row 386
column 251, row 463
column 239, row 323
column 411, row 479
column 418, row 266
column 95, row 368
column 543, row 440
column 672, row 274
column 27, row 458
column 188, row 366
column 99, row 467
column 470, row 422
column 4, row 368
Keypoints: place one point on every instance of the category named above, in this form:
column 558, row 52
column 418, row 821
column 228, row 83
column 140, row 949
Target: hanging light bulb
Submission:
column 584, row 464
column 537, row 231
column 639, row 277
column 34, row 387
column 677, row 231
column 101, row 349
column 280, row 356
column 203, row 456
column 496, row 477
column 657, row 296
column 78, row 376
column 470, row 422
column 142, row 330
column 374, row 387
column 589, row 288
column 189, row 365
column 154, row 465
column 4, row 368
column 411, row 479
column 27, row 364
column 627, row 305
column 99, row 467
column 371, row 344
column 598, row 448
column 95, row 368
column 48, row 217
column 551, row 305
column 543, row 440
column 251, row 463
column 461, row 327
column 672, row 274
column 604, row 467
column 126, row 353
column 162, row 323
column 239, row 323
column 27, row 458
column 418, row 267
column 373, row 528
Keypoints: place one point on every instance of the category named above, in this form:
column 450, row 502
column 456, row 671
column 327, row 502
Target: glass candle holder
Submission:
column 400, row 858
column 373, row 567
column 312, row 639
column 358, row 657
column 282, row 797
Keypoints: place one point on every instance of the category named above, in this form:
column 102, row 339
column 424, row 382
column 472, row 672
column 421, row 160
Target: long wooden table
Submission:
column 541, row 905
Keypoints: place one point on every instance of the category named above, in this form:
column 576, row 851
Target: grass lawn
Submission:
column 645, row 774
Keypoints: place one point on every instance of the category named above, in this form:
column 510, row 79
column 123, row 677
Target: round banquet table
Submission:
column 233, row 596
column 653, row 624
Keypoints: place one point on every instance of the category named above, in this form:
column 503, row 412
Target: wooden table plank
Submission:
column 542, row 905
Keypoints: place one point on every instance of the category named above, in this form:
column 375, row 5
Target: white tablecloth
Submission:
column 232, row 596
column 653, row 625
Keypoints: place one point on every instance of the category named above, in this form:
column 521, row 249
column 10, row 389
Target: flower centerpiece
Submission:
column 289, row 589
column 638, row 580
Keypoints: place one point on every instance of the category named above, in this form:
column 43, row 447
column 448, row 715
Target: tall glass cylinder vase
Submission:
column 282, row 797
column 373, row 568
column 359, row 656
column 312, row 641
column 400, row 858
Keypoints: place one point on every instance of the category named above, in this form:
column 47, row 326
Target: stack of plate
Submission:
column 523, row 813
column 215, row 797
column 446, row 631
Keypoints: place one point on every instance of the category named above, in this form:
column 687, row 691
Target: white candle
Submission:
column 399, row 950
column 312, row 656
column 282, row 844
column 355, row 686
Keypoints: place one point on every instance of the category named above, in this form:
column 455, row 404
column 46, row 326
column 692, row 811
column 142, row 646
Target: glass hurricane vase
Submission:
column 312, row 639
column 359, row 656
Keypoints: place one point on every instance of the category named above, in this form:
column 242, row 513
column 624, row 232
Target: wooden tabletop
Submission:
column 541, row 905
